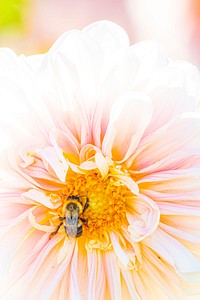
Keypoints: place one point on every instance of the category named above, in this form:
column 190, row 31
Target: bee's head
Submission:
column 71, row 206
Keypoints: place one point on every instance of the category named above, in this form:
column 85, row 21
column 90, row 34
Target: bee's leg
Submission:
column 85, row 221
column 53, row 233
column 86, row 204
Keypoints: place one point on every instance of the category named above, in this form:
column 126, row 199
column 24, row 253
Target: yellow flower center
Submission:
column 106, row 211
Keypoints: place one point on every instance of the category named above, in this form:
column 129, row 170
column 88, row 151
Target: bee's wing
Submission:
column 71, row 225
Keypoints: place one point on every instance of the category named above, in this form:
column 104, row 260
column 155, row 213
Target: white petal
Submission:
column 120, row 253
column 34, row 196
column 50, row 157
column 109, row 35
column 185, row 264
column 74, row 287
column 113, row 275
column 96, row 276
column 129, row 117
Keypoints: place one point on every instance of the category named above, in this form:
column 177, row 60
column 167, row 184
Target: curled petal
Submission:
column 88, row 151
column 64, row 146
column 143, row 216
column 129, row 182
column 33, row 221
column 38, row 197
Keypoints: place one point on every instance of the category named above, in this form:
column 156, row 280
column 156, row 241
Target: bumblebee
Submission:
column 71, row 216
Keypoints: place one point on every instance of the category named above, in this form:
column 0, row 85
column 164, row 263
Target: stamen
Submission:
column 107, row 209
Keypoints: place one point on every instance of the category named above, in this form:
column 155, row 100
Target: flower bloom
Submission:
column 101, row 184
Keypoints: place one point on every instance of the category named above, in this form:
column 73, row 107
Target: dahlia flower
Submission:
column 100, row 182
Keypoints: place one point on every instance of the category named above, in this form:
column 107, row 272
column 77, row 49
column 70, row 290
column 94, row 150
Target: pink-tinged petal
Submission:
column 30, row 247
column 16, row 213
column 59, row 73
column 143, row 216
column 171, row 197
column 182, row 228
column 125, row 291
column 96, row 276
column 162, row 274
column 172, row 186
column 62, row 291
column 120, row 253
column 170, row 146
column 51, row 158
column 188, row 208
column 185, row 264
column 124, row 71
column 38, row 197
column 10, row 241
column 102, row 164
column 27, row 150
column 128, row 182
column 153, row 289
column 82, row 265
column 33, row 280
column 140, row 288
column 63, row 263
column 28, row 160
column 64, row 146
column 77, row 59
column 128, row 278
column 88, row 165
column 136, row 253
column 88, row 151
column 40, row 213
column 74, row 286
column 23, row 255
column 34, row 175
column 129, row 117
column 113, row 275
column 78, row 110
column 167, row 177
column 11, row 207
column 168, row 102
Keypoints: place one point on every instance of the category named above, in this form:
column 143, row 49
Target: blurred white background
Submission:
column 32, row 26
column 36, row 24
